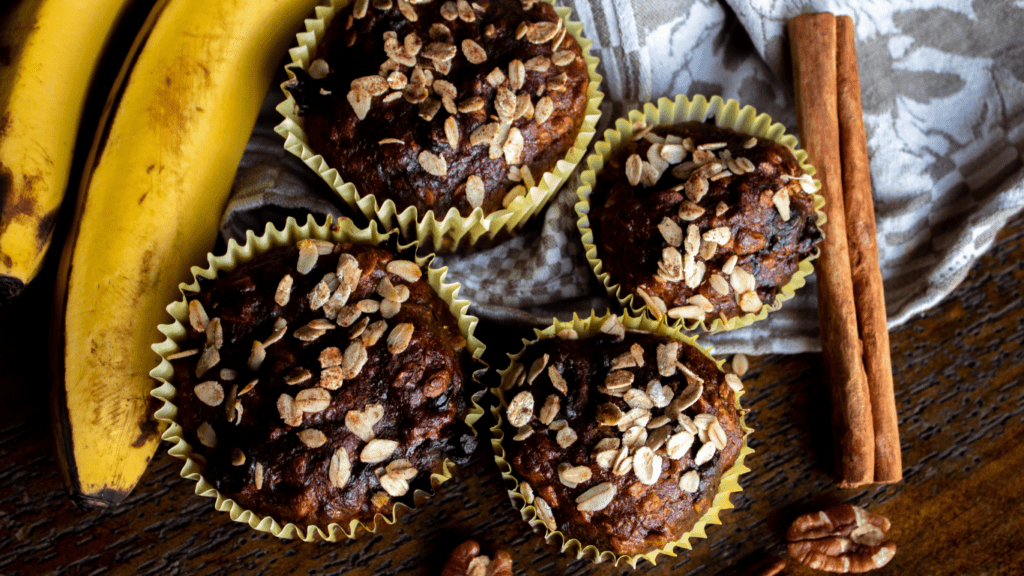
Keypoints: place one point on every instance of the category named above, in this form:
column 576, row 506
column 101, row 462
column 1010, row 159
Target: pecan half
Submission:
column 843, row 539
column 466, row 560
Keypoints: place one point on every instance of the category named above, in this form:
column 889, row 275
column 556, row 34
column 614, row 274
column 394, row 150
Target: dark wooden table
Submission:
column 960, row 509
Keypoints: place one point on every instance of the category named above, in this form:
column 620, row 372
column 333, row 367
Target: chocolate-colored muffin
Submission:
column 444, row 104
column 322, row 383
column 620, row 442
column 703, row 222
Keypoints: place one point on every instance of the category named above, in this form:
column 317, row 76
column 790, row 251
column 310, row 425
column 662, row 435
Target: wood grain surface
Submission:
column 960, row 509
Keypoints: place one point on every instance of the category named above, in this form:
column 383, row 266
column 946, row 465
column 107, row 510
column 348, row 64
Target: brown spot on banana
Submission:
column 105, row 498
column 22, row 206
column 44, row 230
column 149, row 428
column 9, row 205
column 13, row 204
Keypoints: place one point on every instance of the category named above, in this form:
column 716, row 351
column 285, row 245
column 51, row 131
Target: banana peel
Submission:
column 42, row 97
column 157, row 181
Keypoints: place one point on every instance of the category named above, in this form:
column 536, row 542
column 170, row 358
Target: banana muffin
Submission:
column 702, row 222
column 440, row 105
column 321, row 383
column 620, row 441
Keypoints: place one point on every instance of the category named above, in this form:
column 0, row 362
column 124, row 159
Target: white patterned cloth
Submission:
column 943, row 94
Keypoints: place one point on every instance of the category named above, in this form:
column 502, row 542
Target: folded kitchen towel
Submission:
column 943, row 95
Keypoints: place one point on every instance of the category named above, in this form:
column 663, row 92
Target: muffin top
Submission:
column 319, row 383
column 444, row 104
column 703, row 222
column 620, row 442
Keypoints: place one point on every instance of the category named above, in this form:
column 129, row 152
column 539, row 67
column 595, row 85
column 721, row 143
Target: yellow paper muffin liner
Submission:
column 584, row 328
column 340, row 231
column 452, row 231
column 727, row 114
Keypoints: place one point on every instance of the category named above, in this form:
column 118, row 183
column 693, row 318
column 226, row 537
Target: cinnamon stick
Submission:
column 864, row 262
column 813, row 47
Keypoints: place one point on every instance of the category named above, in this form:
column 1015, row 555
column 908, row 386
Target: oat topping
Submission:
column 209, row 359
column 388, row 308
column 671, row 232
column 183, row 354
column 313, row 400
column 749, row 302
column 720, row 235
column 297, row 376
column 449, row 12
column 618, row 379
column 679, row 444
column 730, row 264
column 398, row 473
column 473, row 52
column 433, row 164
column 207, row 436
column 360, row 327
column 704, row 454
column 520, row 409
column 557, row 381
column 286, row 408
column 781, row 201
column 312, row 438
column 707, row 250
column 340, row 468
column 596, row 498
column 734, row 382
column 573, row 476
column 214, row 334
column 465, row 11
column 634, row 169
column 332, row 378
column 613, row 326
column 543, row 109
column 566, row 437
column 541, row 32
column 210, row 393
column 513, row 148
column 378, row 450
column 475, row 191
column 689, row 482
column 544, row 512
column 361, row 422
column 536, row 368
column 405, row 269
column 644, row 440
column 654, row 304
column 258, row 476
column 399, row 338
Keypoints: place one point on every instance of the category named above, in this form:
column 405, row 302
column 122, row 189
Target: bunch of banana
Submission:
column 154, row 187
column 49, row 51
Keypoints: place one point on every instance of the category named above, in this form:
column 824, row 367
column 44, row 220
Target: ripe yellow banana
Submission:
column 54, row 47
column 148, row 208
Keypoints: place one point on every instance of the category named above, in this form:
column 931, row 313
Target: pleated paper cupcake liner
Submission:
column 584, row 328
column 727, row 114
column 449, row 232
column 175, row 332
